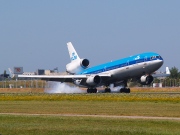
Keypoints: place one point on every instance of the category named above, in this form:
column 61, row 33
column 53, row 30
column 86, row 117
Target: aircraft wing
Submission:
column 62, row 78
column 58, row 78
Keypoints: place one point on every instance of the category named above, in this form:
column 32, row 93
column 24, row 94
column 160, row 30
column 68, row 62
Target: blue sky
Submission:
column 34, row 33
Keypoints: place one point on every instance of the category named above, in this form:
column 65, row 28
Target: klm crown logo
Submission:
column 74, row 56
column 137, row 58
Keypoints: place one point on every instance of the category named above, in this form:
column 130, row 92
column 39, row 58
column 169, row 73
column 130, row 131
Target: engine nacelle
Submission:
column 93, row 80
column 84, row 63
column 77, row 66
column 146, row 79
column 77, row 82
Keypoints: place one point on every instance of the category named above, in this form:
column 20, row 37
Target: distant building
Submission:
column 40, row 72
column 45, row 72
column 49, row 72
column 157, row 85
column 29, row 73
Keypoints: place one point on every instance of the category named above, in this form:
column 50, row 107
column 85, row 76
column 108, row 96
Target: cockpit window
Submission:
column 155, row 57
column 158, row 57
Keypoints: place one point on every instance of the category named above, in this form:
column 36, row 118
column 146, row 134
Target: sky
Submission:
column 34, row 33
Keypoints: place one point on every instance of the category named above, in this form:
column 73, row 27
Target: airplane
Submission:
column 160, row 75
column 12, row 75
column 139, row 67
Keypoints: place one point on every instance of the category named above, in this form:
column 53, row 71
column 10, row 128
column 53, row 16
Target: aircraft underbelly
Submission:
column 135, row 70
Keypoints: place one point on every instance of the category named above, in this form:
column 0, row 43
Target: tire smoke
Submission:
column 58, row 87
column 115, row 89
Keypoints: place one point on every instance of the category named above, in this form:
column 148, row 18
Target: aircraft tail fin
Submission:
column 10, row 71
column 12, row 75
column 167, row 71
column 72, row 52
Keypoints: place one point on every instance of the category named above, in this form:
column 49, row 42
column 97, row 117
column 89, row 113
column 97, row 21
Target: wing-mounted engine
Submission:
column 146, row 79
column 93, row 80
column 77, row 66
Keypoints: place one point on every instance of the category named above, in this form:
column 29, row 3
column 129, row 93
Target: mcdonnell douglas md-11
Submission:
column 139, row 67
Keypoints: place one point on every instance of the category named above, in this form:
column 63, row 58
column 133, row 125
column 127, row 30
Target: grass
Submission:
column 49, row 125
column 92, row 108
column 133, row 90
column 92, row 97
column 156, row 89
column 137, row 104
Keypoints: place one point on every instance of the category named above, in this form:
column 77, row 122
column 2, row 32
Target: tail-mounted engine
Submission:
column 77, row 66
column 146, row 79
column 93, row 80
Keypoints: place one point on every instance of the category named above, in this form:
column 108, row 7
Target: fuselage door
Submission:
column 104, row 68
column 145, row 61
column 127, row 64
column 145, row 58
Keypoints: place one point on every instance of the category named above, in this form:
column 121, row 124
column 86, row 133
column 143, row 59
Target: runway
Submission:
column 95, row 116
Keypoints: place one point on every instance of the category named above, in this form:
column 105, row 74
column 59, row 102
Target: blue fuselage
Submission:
column 133, row 66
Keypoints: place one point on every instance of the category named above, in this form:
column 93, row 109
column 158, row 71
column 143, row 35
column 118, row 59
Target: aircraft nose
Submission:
column 160, row 63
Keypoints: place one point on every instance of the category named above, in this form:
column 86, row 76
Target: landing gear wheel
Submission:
column 88, row 90
column 91, row 90
column 127, row 90
column 107, row 90
column 124, row 90
column 94, row 90
column 121, row 90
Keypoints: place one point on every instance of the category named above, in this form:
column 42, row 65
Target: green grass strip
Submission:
column 49, row 125
column 91, row 97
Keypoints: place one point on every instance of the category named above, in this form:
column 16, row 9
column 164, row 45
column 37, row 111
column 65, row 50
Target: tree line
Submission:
column 172, row 81
column 175, row 74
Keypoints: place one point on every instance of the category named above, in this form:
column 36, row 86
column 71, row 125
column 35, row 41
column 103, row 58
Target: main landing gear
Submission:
column 94, row 90
column 91, row 90
column 125, row 89
column 107, row 90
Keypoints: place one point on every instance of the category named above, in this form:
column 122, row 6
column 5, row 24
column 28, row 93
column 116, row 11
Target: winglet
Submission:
column 72, row 52
column 167, row 71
